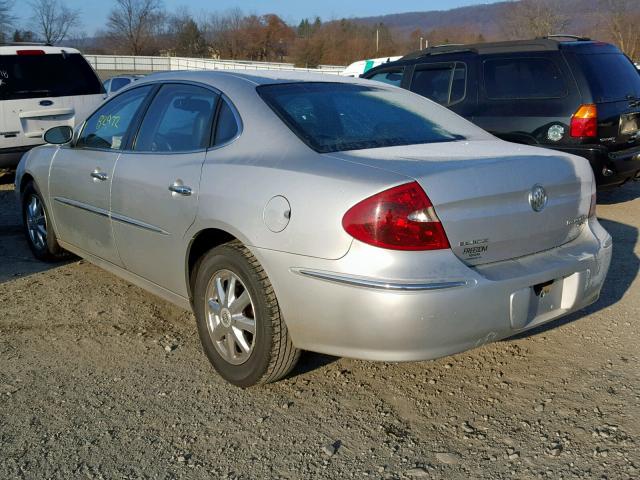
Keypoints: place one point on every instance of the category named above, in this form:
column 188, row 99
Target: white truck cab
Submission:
column 41, row 86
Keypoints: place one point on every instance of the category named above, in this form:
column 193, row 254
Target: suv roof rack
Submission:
column 577, row 38
column 25, row 44
column 549, row 43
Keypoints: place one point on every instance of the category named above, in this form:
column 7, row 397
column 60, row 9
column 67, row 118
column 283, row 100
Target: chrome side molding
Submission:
column 381, row 284
column 114, row 216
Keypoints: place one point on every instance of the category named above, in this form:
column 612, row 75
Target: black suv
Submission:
column 577, row 96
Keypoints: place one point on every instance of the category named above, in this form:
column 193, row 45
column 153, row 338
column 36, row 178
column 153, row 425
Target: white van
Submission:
column 363, row 66
column 41, row 87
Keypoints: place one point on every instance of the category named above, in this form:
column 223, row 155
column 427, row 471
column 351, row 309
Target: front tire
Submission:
column 38, row 228
column 239, row 321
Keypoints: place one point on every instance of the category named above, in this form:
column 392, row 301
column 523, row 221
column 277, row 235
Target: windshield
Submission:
column 332, row 117
column 611, row 76
column 47, row 75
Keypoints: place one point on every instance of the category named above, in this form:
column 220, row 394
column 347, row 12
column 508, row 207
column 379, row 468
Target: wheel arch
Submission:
column 26, row 178
column 203, row 241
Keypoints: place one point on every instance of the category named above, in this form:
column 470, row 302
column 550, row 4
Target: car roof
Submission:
column 222, row 78
column 12, row 49
column 551, row 43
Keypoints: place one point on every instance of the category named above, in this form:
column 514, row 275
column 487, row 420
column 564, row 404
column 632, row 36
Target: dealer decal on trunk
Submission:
column 475, row 248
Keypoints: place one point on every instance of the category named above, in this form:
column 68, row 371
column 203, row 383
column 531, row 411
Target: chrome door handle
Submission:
column 180, row 189
column 98, row 175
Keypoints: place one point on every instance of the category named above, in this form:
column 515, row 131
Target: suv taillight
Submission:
column 584, row 122
column 401, row 218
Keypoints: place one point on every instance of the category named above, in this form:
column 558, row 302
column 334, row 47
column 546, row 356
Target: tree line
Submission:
column 145, row 27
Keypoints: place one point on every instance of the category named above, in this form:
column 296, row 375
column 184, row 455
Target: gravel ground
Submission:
column 100, row 379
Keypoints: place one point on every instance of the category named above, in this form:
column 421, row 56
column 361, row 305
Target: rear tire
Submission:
column 239, row 321
column 37, row 226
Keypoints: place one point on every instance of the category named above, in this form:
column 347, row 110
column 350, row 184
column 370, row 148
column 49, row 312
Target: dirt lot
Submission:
column 99, row 379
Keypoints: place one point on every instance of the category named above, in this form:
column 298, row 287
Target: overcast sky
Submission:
column 94, row 12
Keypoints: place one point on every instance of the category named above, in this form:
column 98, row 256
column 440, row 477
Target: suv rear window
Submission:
column 523, row 78
column 332, row 117
column 49, row 75
column 611, row 76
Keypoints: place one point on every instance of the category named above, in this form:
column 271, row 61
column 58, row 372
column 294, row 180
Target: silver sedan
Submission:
column 298, row 211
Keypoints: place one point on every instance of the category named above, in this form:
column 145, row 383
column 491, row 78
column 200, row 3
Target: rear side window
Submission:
column 390, row 77
column 523, row 78
column 48, row 75
column 331, row 117
column 443, row 83
column 611, row 76
column 178, row 120
column 227, row 126
column 118, row 83
column 107, row 127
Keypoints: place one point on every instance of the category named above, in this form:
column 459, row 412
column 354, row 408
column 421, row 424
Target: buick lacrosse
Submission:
column 299, row 211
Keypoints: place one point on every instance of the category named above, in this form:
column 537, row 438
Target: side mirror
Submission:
column 58, row 135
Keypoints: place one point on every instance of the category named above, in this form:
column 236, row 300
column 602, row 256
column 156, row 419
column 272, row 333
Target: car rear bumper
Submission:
column 10, row 157
column 611, row 169
column 436, row 305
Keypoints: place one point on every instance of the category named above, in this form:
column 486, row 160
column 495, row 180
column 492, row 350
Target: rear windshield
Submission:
column 332, row 117
column 50, row 75
column 611, row 76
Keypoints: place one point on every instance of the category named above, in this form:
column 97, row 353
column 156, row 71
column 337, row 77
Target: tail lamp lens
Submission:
column 584, row 122
column 401, row 218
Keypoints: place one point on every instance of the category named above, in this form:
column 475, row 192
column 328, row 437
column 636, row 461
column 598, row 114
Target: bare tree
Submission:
column 52, row 20
column 6, row 18
column 133, row 23
column 533, row 18
column 621, row 19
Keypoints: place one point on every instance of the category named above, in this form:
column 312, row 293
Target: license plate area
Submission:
column 544, row 301
column 32, row 126
column 629, row 123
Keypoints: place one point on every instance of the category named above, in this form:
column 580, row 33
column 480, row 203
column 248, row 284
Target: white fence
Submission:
column 156, row 64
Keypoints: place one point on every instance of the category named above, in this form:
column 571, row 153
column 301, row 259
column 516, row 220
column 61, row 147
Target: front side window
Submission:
column 390, row 77
column 178, row 120
column 107, row 127
column 332, row 117
column 523, row 78
column 46, row 75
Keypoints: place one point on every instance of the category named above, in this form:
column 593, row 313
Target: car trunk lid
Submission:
column 481, row 192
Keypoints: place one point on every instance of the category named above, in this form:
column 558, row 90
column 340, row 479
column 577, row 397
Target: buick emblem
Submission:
column 538, row 198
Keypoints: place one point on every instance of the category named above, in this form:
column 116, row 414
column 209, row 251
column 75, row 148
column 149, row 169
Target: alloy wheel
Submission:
column 36, row 223
column 230, row 317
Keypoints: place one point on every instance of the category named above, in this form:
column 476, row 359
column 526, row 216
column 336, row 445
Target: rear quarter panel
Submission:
column 524, row 120
column 269, row 160
column 239, row 180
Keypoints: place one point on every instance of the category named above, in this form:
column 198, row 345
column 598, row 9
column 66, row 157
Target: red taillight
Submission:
column 401, row 218
column 30, row 52
column 584, row 122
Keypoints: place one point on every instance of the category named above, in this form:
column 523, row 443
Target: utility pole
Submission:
column 377, row 40
column 421, row 38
